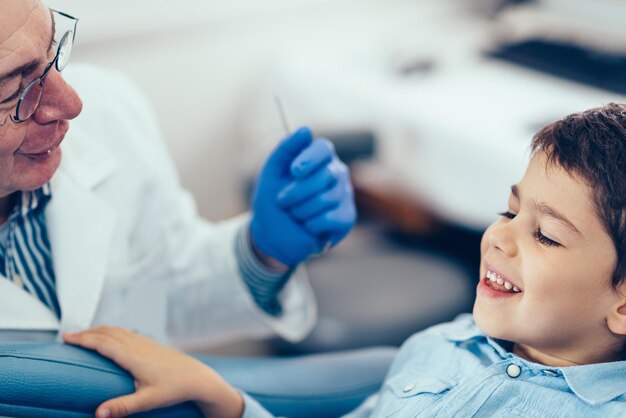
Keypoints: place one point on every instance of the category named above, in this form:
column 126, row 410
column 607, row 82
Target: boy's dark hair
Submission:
column 592, row 145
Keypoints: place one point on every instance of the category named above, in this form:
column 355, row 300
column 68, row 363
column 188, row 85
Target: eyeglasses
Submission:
column 30, row 98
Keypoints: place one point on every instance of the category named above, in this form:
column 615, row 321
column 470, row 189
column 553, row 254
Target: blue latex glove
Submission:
column 303, row 199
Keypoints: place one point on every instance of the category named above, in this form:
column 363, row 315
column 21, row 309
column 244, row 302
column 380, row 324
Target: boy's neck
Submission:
column 564, row 359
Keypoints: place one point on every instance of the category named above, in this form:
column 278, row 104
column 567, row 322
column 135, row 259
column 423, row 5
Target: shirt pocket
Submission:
column 406, row 394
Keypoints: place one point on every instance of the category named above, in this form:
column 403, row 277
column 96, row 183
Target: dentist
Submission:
column 96, row 229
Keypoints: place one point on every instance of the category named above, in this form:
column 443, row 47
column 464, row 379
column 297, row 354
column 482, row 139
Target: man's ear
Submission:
column 617, row 317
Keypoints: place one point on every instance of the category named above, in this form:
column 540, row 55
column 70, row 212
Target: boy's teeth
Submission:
column 493, row 277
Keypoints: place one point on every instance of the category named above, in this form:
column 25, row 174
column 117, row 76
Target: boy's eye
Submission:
column 507, row 214
column 545, row 240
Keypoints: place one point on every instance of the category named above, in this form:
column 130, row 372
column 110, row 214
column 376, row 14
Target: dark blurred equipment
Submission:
column 596, row 68
column 578, row 40
column 352, row 145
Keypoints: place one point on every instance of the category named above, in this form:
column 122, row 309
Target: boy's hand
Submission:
column 163, row 376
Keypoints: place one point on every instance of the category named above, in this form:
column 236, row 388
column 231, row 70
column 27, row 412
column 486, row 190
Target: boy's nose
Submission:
column 501, row 239
column 59, row 101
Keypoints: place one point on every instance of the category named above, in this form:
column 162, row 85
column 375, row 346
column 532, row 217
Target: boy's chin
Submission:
column 492, row 325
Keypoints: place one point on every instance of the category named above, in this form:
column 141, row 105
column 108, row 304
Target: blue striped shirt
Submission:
column 264, row 285
column 25, row 253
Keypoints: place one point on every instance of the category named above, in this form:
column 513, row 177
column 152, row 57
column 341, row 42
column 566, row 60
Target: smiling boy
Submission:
column 547, row 334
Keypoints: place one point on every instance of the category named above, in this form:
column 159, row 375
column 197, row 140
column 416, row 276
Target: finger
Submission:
column 323, row 202
column 316, row 155
column 88, row 338
column 335, row 223
column 281, row 158
column 302, row 189
column 105, row 345
column 104, row 331
column 120, row 334
column 142, row 400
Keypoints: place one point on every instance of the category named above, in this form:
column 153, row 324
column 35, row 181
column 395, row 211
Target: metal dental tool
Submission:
column 281, row 112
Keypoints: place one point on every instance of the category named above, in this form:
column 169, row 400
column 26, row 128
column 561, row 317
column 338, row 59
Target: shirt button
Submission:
column 513, row 370
column 408, row 388
column 551, row 372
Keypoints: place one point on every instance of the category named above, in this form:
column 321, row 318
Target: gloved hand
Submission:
column 303, row 199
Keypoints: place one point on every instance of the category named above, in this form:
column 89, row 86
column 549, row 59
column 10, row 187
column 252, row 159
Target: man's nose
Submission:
column 59, row 101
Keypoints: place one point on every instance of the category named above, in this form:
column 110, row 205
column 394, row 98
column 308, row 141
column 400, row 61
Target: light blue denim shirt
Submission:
column 454, row 370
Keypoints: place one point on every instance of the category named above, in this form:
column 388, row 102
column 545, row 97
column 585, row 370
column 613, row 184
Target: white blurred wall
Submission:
column 198, row 62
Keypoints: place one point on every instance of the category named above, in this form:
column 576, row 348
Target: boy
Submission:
column 547, row 334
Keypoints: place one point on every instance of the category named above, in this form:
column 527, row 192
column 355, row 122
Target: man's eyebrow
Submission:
column 24, row 68
column 547, row 210
column 32, row 64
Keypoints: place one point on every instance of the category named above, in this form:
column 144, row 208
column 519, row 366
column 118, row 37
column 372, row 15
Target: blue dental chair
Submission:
column 54, row 380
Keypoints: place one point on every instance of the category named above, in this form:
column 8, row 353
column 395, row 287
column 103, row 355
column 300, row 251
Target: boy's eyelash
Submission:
column 542, row 239
column 545, row 240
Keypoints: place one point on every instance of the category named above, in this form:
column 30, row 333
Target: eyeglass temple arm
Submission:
column 69, row 17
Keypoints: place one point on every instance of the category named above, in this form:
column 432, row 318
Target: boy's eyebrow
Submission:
column 32, row 64
column 547, row 210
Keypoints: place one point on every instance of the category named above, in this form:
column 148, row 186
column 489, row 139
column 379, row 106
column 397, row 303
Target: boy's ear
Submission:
column 617, row 317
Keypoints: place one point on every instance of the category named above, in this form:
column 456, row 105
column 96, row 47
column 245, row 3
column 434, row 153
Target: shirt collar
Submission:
column 597, row 383
column 464, row 329
column 593, row 383
column 31, row 200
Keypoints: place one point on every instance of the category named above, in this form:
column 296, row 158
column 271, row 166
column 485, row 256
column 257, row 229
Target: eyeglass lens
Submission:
column 32, row 95
column 30, row 100
column 65, row 50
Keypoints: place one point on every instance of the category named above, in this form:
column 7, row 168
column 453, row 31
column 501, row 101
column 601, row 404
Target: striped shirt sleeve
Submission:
column 264, row 284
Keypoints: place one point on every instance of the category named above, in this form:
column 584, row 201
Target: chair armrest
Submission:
column 310, row 386
column 57, row 380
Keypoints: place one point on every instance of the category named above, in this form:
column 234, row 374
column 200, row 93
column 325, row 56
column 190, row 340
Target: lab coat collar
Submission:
column 80, row 228
column 85, row 160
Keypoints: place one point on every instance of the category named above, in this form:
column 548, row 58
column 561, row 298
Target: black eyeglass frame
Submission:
column 39, row 81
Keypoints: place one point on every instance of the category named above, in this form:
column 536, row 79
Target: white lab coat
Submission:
column 128, row 247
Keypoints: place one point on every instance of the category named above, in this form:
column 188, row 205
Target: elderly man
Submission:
column 106, row 235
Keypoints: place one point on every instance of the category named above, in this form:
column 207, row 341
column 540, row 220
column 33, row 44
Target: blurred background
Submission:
column 432, row 102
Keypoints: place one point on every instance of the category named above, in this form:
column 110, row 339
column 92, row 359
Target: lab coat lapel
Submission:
column 21, row 311
column 80, row 228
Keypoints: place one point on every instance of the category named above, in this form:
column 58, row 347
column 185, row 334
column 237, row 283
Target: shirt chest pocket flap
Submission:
column 413, row 391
